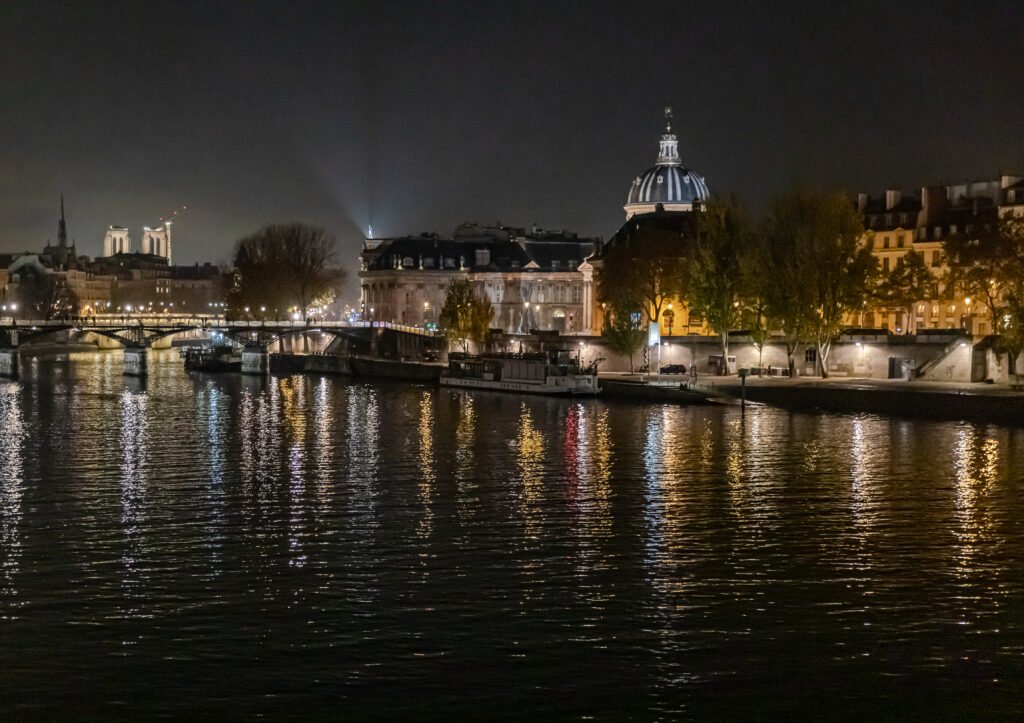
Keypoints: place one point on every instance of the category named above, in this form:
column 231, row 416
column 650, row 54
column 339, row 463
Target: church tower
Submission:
column 157, row 241
column 117, row 241
column 62, row 227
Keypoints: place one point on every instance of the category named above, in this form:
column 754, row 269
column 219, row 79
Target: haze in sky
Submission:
column 415, row 116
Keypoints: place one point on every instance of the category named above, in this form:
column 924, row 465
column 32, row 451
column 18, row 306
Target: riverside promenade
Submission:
column 996, row 403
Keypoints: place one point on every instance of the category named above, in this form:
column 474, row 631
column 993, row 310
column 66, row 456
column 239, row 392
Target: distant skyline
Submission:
column 418, row 116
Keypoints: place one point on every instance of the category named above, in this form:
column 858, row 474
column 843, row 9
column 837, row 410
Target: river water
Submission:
column 218, row 546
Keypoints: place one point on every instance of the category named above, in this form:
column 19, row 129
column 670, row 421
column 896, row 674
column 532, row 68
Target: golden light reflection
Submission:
column 976, row 471
column 12, row 489
column 530, row 462
column 735, row 451
column 426, row 463
column 246, row 427
column 602, row 468
column 465, row 460
column 864, row 484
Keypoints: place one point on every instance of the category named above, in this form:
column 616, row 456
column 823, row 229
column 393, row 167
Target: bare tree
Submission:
column 285, row 266
column 42, row 295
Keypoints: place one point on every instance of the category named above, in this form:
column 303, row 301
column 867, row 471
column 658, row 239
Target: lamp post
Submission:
column 967, row 303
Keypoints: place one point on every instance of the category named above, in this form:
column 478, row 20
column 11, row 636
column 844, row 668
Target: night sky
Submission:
column 417, row 116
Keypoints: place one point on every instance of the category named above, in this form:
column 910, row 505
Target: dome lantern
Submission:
column 668, row 184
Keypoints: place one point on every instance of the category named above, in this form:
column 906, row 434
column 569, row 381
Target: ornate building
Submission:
column 534, row 279
column 668, row 184
column 661, row 200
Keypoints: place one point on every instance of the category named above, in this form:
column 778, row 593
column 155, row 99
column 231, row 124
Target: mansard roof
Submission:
column 481, row 248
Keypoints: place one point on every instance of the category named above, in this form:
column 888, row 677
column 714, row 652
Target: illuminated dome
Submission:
column 668, row 183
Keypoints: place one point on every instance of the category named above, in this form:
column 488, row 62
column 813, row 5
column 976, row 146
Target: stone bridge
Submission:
column 138, row 333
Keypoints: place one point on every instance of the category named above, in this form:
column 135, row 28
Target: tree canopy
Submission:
column 718, row 286
column 465, row 316
column 815, row 268
column 645, row 271
column 987, row 265
column 622, row 331
column 42, row 295
column 909, row 282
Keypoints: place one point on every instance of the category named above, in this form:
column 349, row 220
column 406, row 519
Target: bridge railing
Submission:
column 183, row 321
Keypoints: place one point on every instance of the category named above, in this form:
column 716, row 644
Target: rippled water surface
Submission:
column 208, row 546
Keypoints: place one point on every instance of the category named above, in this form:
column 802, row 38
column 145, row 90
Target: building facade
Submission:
column 534, row 279
column 60, row 280
column 896, row 224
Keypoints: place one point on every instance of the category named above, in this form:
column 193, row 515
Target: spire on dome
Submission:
column 668, row 154
column 62, row 228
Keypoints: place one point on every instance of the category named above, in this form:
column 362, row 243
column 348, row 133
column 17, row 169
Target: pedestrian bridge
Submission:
column 137, row 333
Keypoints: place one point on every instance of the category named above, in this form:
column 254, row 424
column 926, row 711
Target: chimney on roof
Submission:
column 934, row 202
column 892, row 199
column 862, row 202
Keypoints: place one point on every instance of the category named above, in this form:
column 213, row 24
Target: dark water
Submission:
column 212, row 546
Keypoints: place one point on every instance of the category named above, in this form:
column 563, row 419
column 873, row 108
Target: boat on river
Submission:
column 553, row 373
column 222, row 358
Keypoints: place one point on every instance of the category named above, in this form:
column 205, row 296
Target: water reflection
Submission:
column 654, row 561
column 294, row 411
column 465, row 439
column 864, row 488
column 323, row 419
column 134, row 420
column 530, row 463
column 12, row 490
column 362, row 428
column 425, row 526
column 211, row 405
column 976, row 472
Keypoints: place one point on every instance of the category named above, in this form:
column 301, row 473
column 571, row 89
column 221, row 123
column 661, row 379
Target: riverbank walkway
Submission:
column 979, row 402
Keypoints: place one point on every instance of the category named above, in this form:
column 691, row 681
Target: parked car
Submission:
column 674, row 369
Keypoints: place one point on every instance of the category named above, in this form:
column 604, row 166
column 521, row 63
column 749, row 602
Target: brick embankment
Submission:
column 998, row 404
